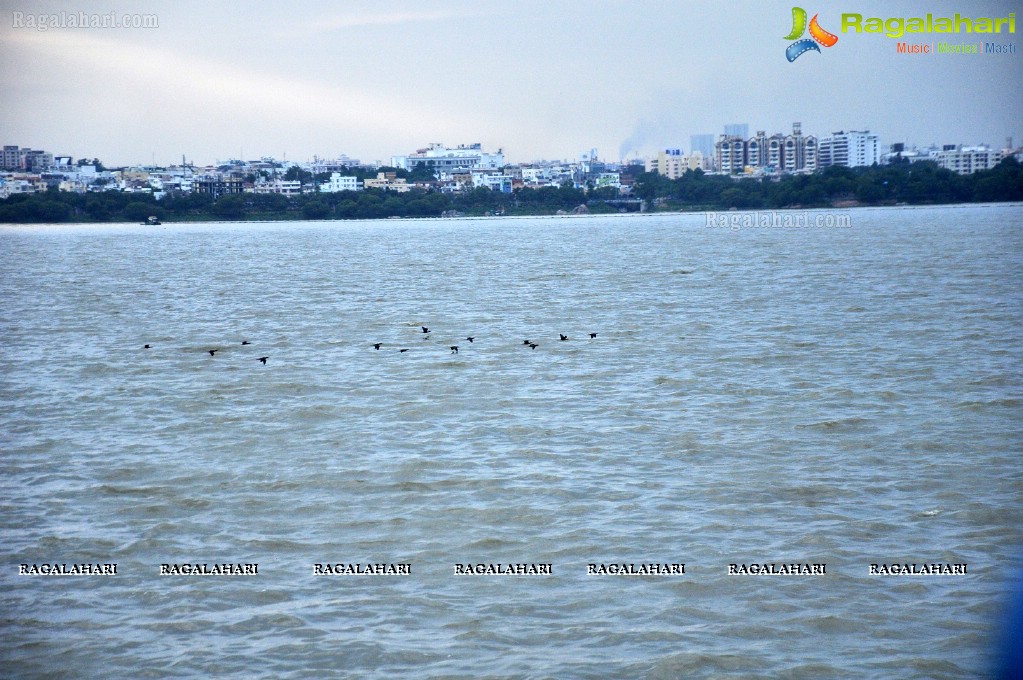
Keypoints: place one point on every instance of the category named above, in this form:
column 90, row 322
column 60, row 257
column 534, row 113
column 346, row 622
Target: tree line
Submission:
column 917, row 183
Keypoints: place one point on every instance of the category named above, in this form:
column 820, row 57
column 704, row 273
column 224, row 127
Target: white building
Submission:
column 9, row 187
column 445, row 161
column 966, row 160
column 279, row 186
column 849, row 149
column 493, row 180
column 535, row 176
column 339, row 182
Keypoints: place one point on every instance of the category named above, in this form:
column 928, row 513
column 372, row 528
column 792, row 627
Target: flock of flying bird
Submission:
column 379, row 345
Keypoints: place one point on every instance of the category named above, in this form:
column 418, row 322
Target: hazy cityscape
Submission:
column 454, row 169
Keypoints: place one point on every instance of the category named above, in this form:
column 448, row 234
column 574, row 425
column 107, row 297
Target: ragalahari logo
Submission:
column 818, row 34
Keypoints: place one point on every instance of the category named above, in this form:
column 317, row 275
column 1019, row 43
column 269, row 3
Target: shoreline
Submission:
column 480, row 218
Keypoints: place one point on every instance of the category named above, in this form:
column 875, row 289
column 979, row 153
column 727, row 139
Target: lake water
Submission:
column 831, row 395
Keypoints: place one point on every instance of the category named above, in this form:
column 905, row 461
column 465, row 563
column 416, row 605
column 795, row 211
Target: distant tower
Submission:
column 737, row 130
column 702, row 143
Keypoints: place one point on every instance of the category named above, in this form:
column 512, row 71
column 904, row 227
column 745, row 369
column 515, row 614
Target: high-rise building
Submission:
column 737, row 130
column 800, row 153
column 731, row 154
column 790, row 153
column 702, row 143
column 848, row 149
column 756, row 150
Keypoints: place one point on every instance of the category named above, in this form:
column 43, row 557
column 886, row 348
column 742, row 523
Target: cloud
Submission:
column 219, row 95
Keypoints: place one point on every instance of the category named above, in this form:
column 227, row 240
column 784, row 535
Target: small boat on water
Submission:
column 152, row 221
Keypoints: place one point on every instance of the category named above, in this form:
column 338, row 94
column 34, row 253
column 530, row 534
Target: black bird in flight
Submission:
column 563, row 336
column 213, row 351
column 526, row 342
column 593, row 335
column 263, row 359
column 147, row 347
column 454, row 349
column 470, row 338
column 533, row 345
column 246, row 342
column 376, row 345
column 400, row 351
column 425, row 329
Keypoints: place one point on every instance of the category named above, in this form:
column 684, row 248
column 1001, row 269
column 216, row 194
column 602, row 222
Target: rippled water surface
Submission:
column 831, row 395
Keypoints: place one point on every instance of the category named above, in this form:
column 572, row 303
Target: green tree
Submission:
column 270, row 202
column 347, row 209
column 297, row 173
column 393, row 207
column 95, row 162
column 316, row 210
column 604, row 194
column 421, row 173
column 137, row 211
column 230, row 207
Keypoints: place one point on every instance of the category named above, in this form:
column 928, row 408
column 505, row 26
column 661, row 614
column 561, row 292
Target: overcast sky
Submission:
column 539, row 78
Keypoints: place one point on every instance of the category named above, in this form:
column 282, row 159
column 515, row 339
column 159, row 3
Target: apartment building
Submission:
column 966, row 160
column 851, row 149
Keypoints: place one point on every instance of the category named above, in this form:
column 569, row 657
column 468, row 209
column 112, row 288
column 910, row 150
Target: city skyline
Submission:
column 539, row 80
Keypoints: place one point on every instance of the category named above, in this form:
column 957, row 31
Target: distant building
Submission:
column 801, row 153
column 20, row 185
column 494, row 180
column 851, row 149
column 671, row 163
column 757, row 151
column 12, row 158
column 791, row 153
column 702, row 143
column 388, row 181
column 667, row 163
column 284, row 187
column 966, row 160
column 535, row 176
column 217, row 185
column 731, row 154
column 339, row 182
column 737, row 130
column 343, row 163
column 445, row 161
column 29, row 160
column 898, row 152
column 38, row 161
column 608, row 179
